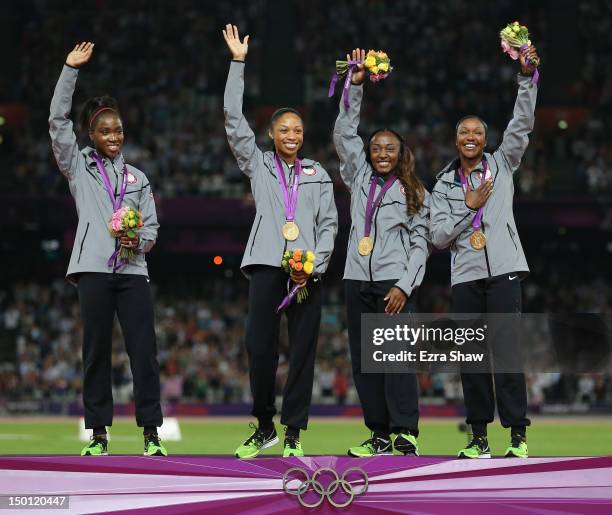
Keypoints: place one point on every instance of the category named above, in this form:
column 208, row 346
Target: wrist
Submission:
column 239, row 59
column 71, row 66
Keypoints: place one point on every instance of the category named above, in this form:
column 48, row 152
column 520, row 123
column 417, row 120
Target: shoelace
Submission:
column 154, row 439
column 96, row 439
column 291, row 442
column 375, row 443
column 258, row 436
column 516, row 441
column 478, row 441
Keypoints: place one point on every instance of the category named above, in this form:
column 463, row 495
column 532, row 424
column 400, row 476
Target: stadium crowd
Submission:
column 172, row 93
column 202, row 353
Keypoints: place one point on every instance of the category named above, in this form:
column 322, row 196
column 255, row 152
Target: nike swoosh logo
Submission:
column 512, row 278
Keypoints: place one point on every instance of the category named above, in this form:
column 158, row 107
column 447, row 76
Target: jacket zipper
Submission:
column 485, row 250
column 511, row 237
column 374, row 243
column 83, row 241
column 117, row 244
column 402, row 238
column 255, row 236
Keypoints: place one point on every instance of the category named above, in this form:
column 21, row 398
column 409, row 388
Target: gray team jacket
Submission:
column 93, row 244
column 315, row 214
column 451, row 219
column 401, row 241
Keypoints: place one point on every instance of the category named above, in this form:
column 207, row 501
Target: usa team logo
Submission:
column 131, row 178
column 402, row 189
column 309, row 171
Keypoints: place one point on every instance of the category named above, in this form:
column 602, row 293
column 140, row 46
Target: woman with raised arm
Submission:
column 295, row 209
column 385, row 263
column 107, row 281
column 471, row 212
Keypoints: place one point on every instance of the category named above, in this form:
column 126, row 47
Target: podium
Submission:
column 317, row 484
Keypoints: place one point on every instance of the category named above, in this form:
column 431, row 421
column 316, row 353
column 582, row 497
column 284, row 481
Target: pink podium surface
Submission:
column 385, row 484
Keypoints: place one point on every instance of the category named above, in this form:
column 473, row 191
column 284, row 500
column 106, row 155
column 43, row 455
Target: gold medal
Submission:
column 478, row 240
column 291, row 231
column 365, row 246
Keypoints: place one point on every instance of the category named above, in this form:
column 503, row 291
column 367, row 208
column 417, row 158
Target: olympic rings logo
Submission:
column 322, row 491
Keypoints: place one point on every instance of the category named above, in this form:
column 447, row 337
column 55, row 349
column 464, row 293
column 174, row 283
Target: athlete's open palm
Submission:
column 80, row 54
column 238, row 49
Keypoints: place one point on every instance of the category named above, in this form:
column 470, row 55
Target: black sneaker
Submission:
column 477, row 448
column 255, row 443
column 406, row 443
column 153, row 446
column 375, row 446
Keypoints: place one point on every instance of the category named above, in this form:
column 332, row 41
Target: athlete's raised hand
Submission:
column 238, row 49
column 80, row 54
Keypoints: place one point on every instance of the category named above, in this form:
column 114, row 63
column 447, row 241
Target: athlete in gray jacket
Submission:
column 471, row 212
column 101, row 181
column 385, row 263
column 311, row 224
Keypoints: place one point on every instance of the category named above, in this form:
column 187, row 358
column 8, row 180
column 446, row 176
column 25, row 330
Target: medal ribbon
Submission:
column 289, row 199
column 372, row 204
column 347, row 83
column 116, row 202
column 464, row 185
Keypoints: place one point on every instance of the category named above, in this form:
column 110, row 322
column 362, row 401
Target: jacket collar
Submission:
column 118, row 162
column 450, row 173
column 306, row 162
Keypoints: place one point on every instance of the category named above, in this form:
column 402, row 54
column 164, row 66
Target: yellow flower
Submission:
column 383, row 55
column 383, row 67
column 374, row 70
column 310, row 256
column 132, row 223
column 308, row 267
column 371, row 53
column 370, row 61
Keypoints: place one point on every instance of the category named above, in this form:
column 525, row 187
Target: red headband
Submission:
column 96, row 113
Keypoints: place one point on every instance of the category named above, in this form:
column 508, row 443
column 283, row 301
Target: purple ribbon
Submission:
column 464, row 185
column 116, row 202
column 289, row 199
column 288, row 298
column 536, row 74
column 347, row 83
column 372, row 204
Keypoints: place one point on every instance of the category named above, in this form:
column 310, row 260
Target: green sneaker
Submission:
column 153, row 446
column 256, row 443
column 98, row 446
column 406, row 444
column 375, row 446
column 477, row 448
column 293, row 447
column 518, row 448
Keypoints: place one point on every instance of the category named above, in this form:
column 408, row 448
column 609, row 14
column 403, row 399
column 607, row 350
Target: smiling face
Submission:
column 384, row 152
column 107, row 134
column 471, row 139
column 287, row 132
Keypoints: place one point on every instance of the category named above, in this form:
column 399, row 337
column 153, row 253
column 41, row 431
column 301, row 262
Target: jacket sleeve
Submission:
column 349, row 145
column 327, row 226
column 148, row 232
column 420, row 249
column 239, row 135
column 448, row 218
column 63, row 139
column 516, row 135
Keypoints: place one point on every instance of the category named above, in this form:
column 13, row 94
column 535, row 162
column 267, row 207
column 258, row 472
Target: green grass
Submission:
column 546, row 437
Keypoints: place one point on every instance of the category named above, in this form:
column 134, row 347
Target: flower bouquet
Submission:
column 377, row 64
column 125, row 222
column 296, row 260
column 514, row 41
